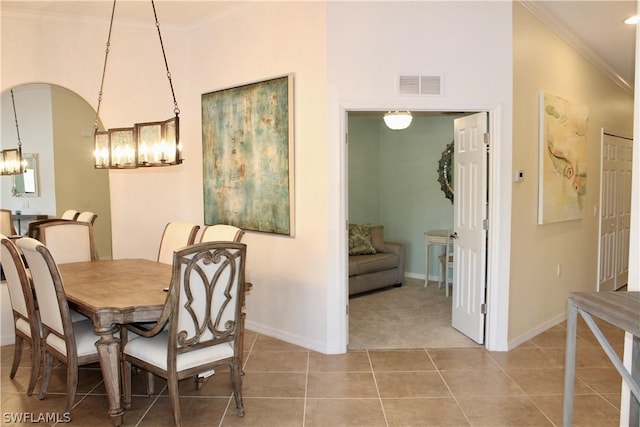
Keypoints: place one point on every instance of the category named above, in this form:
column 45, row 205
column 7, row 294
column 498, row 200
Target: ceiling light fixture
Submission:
column 11, row 162
column 398, row 120
column 632, row 20
column 143, row 144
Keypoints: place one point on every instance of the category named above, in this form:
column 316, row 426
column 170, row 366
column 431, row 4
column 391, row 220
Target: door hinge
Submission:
column 483, row 308
column 346, row 138
column 485, row 224
column 487, row 138
column 347, row 309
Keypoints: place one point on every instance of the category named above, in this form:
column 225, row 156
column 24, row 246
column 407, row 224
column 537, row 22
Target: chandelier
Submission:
column 143, row 144
column 11, row 162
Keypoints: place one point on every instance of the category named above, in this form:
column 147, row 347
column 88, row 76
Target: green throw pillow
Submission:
column 360, row 242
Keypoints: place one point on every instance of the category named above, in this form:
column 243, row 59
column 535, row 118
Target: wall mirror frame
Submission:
column 445, row 172
column 26, row 184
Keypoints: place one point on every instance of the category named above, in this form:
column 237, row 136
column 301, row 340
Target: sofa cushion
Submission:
column 360, row 240
column 365, row 264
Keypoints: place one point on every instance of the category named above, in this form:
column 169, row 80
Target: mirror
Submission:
column 445, row 172
column 26, row 184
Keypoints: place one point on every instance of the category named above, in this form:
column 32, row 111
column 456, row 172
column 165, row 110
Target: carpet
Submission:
column 410, row 316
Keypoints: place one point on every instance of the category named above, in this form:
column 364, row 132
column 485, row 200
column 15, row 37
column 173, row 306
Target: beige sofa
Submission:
column 377, row 270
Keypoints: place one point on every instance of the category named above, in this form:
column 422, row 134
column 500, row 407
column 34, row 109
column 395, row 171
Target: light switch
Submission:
column 518, row 175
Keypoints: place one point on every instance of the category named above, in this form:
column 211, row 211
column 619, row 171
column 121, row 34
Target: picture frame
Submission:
column 248, row 156
column 562, row 182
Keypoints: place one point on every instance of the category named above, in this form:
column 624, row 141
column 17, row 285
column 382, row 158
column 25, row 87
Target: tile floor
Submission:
column 286, row 385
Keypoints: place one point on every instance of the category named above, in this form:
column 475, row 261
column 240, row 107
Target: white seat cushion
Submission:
column 23, row 326
column 85, row 339
column 154, row 351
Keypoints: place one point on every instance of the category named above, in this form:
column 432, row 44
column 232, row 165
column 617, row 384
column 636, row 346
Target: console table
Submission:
column 433, row 238
column 621, row 309
column 27, row 217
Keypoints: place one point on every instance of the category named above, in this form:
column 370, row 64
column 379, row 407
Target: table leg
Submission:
column 109, row 354
column 569, row 365
column 634, row 413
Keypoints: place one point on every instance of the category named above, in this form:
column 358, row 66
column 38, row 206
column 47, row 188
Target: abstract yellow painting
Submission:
column 563, row 159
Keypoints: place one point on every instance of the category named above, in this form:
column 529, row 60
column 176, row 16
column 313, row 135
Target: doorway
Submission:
column 393, row 180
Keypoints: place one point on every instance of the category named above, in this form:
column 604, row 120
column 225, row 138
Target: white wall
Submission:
column 340, row 54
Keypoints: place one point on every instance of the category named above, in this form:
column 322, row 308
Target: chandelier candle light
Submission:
column 144, row 144
column 11, row 162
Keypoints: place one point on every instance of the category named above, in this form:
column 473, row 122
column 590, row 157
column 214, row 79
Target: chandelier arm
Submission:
column 176, row 110
column 104, row 68
column 15, row 115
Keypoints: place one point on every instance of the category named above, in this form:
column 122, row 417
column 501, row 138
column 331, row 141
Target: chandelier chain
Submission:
column 104, row 68
column 176, row 110
column 15, row 115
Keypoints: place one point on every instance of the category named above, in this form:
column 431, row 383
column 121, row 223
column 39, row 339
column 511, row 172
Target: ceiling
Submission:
column 594, row 28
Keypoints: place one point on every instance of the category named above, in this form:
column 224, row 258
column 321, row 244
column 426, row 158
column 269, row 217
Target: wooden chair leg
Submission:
column 35, row 367
column 17, row 355
column 174, row 398
column 126, row 383
column 236, row 380
column 72, row 385
column 46, row 375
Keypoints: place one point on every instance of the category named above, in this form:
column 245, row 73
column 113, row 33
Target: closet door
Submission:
column 615, row 209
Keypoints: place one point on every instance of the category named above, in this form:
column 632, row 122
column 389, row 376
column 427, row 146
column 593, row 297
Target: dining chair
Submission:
column 206, row 322
column 71, row 214
column 69, row 241
column 72, row 343
column 6, row 223
column 87, row 216
column 25, row 316
column 221, row 233
column 176, row 235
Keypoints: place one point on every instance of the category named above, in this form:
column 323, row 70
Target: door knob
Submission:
column 454, row 235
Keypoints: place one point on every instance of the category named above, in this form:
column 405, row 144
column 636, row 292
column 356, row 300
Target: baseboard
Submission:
column 536, row 331
column 291, row 338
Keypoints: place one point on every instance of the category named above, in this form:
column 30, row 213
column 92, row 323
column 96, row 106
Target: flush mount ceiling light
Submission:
column 11, row 162
column 398, row 120
column 143, row 144
column 632, row 20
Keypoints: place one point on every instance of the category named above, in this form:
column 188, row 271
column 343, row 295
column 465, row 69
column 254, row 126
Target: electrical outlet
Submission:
column 558, row 270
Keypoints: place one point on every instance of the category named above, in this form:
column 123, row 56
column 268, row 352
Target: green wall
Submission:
column 393, row 180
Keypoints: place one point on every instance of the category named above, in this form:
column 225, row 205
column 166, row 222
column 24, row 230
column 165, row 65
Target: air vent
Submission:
column 420, row 85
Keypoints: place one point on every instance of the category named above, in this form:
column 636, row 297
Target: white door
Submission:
column 615, row 211
column 469, row 234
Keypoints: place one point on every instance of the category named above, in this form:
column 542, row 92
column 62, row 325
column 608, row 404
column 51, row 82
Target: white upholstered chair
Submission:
column 25, row 315
column 71, row 214
column 69, row 241
column 87, row 216
column 72, row 343
column 176, row 235
column 205, row 318
column 6, row 223
column 221, row 233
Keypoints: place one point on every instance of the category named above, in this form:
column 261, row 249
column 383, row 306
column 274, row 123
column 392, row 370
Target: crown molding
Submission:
column 555, row 25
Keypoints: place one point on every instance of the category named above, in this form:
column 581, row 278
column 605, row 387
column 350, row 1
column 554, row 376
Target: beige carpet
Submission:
column 411, row 316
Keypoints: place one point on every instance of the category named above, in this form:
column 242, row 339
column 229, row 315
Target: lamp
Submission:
column 143, row 144
column 11, row 162
column 398, row 120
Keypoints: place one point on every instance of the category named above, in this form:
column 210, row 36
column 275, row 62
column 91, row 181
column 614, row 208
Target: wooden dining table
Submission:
column 114, row 293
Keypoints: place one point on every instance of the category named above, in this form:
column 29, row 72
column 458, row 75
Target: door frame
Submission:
column 498, row 235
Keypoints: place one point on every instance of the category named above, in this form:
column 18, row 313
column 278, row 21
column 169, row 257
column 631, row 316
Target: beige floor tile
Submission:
column 277, row 361
column 545, row 381
column 462, row 359
column 525, row 358
column 588, row 410
column 411, row 384
column 267, row 412
column 265, row 343
column 341, row 385
column 274, row 384
column 494, row 411
column 478, row 383
column 344, row 412
column 195, row 411
column 602, row 380
column 423, row 412
column 400, row 360
column 353, row 361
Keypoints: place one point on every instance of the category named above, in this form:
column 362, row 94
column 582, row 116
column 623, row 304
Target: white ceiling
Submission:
column 595, row 28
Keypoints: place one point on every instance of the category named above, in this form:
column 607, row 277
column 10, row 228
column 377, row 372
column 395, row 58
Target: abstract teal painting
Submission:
column 247, row 154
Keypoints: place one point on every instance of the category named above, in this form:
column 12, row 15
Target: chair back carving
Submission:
column 175, row 236
column 221, row 233
column 69, row 241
